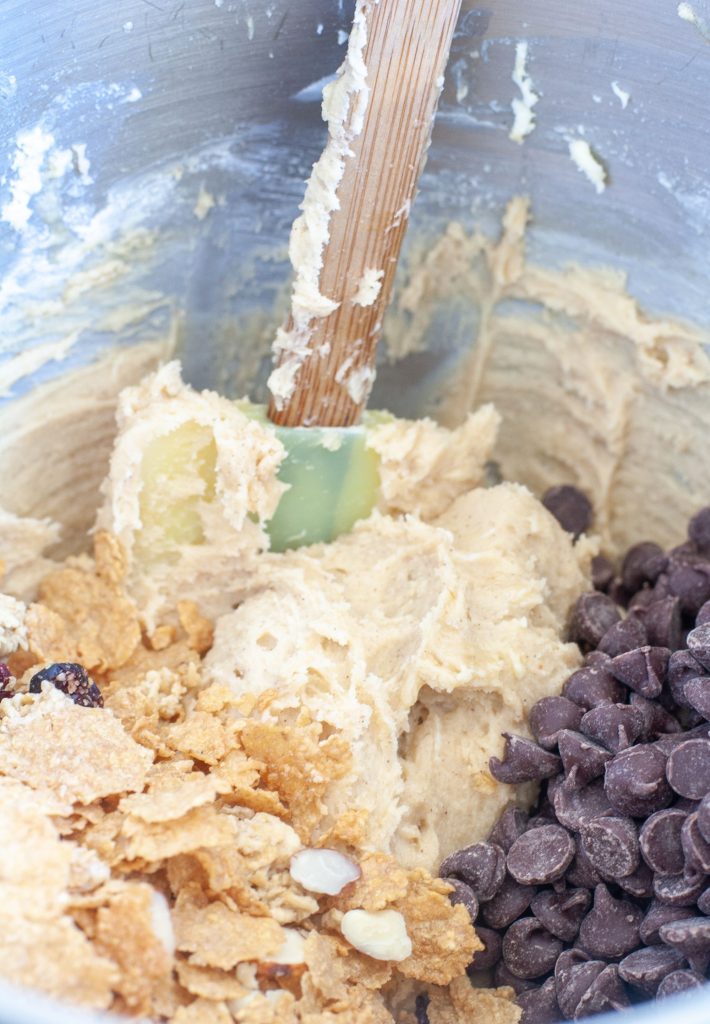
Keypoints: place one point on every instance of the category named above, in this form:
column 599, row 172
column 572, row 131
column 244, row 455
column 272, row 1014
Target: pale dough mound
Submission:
column 419, row 637
column 421, row 643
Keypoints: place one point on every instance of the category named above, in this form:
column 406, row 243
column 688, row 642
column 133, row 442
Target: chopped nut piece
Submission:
column 381, row 934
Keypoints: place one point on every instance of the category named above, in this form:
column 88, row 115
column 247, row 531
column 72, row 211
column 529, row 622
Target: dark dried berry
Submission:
column 571, row 508
column 71, row 679
column 421, row 1006
column 523, row 761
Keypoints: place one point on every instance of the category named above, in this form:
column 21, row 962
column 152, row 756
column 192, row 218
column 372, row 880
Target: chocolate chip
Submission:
column 481, row 866
column 561, row 913
column 697, row 695
column 704, row 818
column 612, row 846
column 605, row 993
column 639, row 883
column 659, row 914
column 699, row 531
column 504, row 979
column 602, row 572
column 690, row 937
column 615, row 726
column 541, row 855
column 642, row 670
column 574, row 806
column 539, row 1004
column 660, row 841
column 656, row 720
column 511, row 824
column 592, row 615
column 635, row 782
column 529, row 950
column 704, row 902
column 582, row 758
column 695, row 847
column 574, row 973
column 71, row 679
column 682, row 667
column 623, row 636
column 549, row 716
column 691, row 585
column 667, row 744
column 508, row 904
column 680, row 890
column 642, row 564
column 581, row 873
column 464, row 895
column 678, row 982
column 571, row 508
column 663, row 622
column 485, row 959
column 594, row 685
column 698, row 641
column 646, row 968
column 611, row 928
column 688, row 769
column 421, row 1005
column 523, row 761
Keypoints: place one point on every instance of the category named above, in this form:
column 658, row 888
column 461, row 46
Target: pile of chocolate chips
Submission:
column 600, row 898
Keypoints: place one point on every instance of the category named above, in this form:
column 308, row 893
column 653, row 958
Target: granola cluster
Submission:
column 147, row 859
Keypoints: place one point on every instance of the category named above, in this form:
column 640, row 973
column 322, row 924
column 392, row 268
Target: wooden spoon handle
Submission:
column 405, row 54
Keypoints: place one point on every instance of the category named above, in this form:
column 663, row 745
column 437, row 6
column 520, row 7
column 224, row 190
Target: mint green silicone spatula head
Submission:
column 344, row 249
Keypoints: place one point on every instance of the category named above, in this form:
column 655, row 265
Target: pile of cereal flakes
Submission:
column 147, row 844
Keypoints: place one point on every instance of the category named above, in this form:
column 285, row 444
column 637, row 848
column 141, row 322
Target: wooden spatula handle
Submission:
column 407, row 49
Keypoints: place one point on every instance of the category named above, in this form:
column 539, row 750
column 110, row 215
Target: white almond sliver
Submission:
column 323, row 871
column 381, row 934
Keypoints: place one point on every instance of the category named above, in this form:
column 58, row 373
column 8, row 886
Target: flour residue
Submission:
column 588, row 163
column 369, row 287
column 524, row 117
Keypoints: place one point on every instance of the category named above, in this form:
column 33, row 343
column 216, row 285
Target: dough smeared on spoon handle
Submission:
column 345, row 245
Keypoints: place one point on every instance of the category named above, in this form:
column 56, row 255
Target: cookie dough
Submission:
column 419, row 638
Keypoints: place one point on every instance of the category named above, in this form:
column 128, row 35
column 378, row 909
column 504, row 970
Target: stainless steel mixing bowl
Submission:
column 177, row 135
